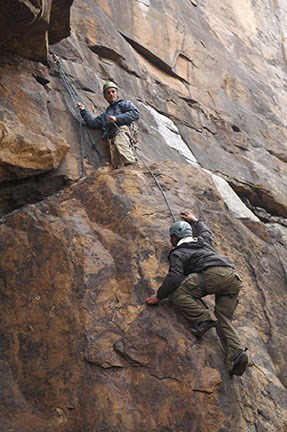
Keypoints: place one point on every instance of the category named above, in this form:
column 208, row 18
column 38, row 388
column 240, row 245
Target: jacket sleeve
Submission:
column 129, row 113
column 200, row 230
column 93, row 122
column 173, row 279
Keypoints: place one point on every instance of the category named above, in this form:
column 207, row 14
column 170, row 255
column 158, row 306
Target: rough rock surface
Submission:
column 80, row 352
column 85, row 353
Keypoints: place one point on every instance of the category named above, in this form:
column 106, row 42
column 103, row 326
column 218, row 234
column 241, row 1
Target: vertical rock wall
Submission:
column 79, row 349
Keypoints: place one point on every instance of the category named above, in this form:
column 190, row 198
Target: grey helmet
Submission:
column 180, row 229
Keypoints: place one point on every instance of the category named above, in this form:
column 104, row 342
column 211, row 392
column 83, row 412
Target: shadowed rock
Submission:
column 25, row 26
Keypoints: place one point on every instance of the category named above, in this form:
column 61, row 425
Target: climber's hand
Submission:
column 152, row 300
column 80, row 105
column 188, row 216
column 112, row 119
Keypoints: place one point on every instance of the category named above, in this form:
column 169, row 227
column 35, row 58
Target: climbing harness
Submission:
column 133, row 144
column 75, row 97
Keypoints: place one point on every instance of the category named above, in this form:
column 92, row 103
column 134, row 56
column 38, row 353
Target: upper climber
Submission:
column 116, row 121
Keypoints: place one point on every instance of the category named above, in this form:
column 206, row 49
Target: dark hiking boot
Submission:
column 200, row 329
column 239, row 364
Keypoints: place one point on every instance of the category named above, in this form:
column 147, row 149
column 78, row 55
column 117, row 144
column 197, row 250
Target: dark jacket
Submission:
column 125, row 111
column 192, row 257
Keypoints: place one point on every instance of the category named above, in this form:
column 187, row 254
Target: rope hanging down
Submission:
column 157, row 183
column 134, row 148
column 75, row 97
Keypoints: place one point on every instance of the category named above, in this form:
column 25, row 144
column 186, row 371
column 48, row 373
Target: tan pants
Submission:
column 225, row 284
column 120, row 148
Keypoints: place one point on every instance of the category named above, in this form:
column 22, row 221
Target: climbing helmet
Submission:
column 180, row 229
column 109, row 84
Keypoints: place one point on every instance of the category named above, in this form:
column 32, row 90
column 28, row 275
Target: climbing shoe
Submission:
column 201, row 328
column 239, row 364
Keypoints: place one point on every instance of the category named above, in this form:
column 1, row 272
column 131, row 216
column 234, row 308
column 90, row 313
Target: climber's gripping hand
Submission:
column 152, row 300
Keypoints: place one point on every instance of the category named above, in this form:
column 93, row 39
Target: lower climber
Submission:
column 197, row 270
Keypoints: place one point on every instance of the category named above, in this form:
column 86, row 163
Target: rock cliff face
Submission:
column 83, row 245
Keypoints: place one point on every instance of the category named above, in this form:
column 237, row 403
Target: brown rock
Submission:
column 83, row 347
column 79, row 348
column 23, row 155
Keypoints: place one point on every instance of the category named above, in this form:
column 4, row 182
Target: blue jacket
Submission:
column 192, row 257
column 125, row 111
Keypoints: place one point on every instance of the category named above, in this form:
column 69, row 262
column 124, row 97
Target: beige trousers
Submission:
column 120, row 148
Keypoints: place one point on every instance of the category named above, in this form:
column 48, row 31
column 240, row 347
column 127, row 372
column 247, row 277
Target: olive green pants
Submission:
column 225, row 284
column 120, row 148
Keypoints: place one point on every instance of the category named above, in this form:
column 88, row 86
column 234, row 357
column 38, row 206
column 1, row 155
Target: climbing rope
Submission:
column 157, row 183
column 75, row 97
column 134, row 148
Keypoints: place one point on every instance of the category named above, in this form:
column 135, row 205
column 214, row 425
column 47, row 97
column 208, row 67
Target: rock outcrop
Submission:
column 83, row 245
column 27, row 26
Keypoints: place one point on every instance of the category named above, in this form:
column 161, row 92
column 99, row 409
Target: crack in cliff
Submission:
column 256, row 198
column 280, row 156
column 165, row 378
column 190, row 102
column 209, row 130
column 110, row 54
column 41, row 80
column 106, row 52
column 16, row 194
column 152, row 58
